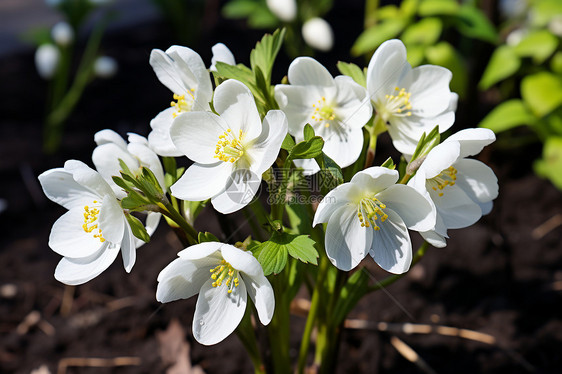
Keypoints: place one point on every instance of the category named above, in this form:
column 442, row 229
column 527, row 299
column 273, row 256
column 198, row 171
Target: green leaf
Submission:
column 273, row 253
column 415, row 54
column 374, row 36
column 542, row 92
column 272, row 257
column 544, row 11
column 239, row 8
column 288, row 143
column 539, row 45
column 353, row 71
column 503, row 64
column 238, row 72
column 302, row 248
column 550, row 166
column 262, row 18
column 121, row 183
column 473, row 23
column 389, row 164
column 556, row 63
column 508, row 115
column 307, row 149
column 206, row 236
column 308, row 132
column 138, row 229
column 150, row 178
column 443, row 54
column 265, row 52
column 438, row 8
column 408, row 8
column 425, row 144
column 331, row 173
column 354, row 289
column 134, row 201
column 425, row 32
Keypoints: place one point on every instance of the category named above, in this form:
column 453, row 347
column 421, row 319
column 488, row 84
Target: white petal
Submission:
column 166, row 71
column 69, row 239
column 434, row 239
column 472, row 141
column 391, row 247
column 477, row 180
column 111, row 220
column 148, row 159
column 80, row 270
column 375, row 179
column 440, row 158
column 414, row 209
column 196, row 135
column 218, row 313
column 387, row 66
column 296, row 102
column 109, row 136
column 235, row 104
column 128, row 247
column 201, row 182
column 347, row 243
column 264, row 150
column 262, row 295
column 344, row 147
column 353, row 104
column 241, row 260
column 306, row 71
column 106, row 159
column 429, row 86
column 309, row 166
column 239, row 191
column 60, row 187
column 202, row 250
column 223, row 54
column 455, row 208
column 342, row 195
column 181, row 279
column 88, row 177
column 318, row 34
column 159, row 138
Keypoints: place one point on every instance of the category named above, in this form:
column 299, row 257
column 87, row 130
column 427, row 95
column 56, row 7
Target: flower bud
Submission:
column 105, row 67
column 318, row 34
column 47, row 59
column 62, row 33
column 221, row 53
column 285, row 10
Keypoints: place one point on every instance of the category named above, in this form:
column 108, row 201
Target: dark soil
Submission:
column 494, row 277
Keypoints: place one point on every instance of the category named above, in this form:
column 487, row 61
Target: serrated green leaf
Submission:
column 550, row 166
column 503, row 64
column 542, row 92
column 206, row 236
column 272, row 257
column 508, row 115
column 539, row 45
column 473, row 23
column 308, row 132
column 138, row 229
column 374, row 36
column 353, row 71
column 273, row 253
column 265, row 52
column 288, row 143
column 443, row 54
column 307, row 149
column 332, row 175
column 438, row 8
column 425, row 32
column 302, row 248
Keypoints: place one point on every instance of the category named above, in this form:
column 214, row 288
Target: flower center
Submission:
column 397, row 104
column 229, row 147
column 323, row 113
column 90, row 217
column 369, row 210
column 446, row 178
column 225, row 272
column 182, row 104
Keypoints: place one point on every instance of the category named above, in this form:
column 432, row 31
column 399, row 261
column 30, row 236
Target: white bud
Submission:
column 62, row 33
column 221, row 53
column 47, row 59
column 515, row 37
column 105, row 67
column 318, row 34
column 285, row 10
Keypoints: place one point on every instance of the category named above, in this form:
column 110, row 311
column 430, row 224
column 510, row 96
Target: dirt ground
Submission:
column 501, row 277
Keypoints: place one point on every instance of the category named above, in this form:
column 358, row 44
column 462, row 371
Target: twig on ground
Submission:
column 553, row 222
column 409, row 354
column 96, row 362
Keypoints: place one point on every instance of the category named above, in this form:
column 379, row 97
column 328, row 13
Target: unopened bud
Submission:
column 47, row 59
column 318, row 34
column 105, row 67
column 62, row 33
column 221, row 53
column 285, row 10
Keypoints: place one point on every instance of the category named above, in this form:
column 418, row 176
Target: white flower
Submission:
column 371, row 214
column 105, row 67
column 318, row 34
column 94, row 229
column 137, row 154
column 409, row 101
column 462, row 189
column 62, row 33
column 47, row 59
column 285, row 10
column 336, row 108
column 221, row 53
column 183, row 71
column 223, row 275
column 231, row 151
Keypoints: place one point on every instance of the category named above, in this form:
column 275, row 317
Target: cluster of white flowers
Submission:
column 232, row 146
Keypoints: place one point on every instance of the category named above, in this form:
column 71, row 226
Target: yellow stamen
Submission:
column 446, row 178
column 90, row 217
column 323, row 112
column 225, row 272
column 229, row 148
column 397, row 104
column 369, row 210
column 182, row 104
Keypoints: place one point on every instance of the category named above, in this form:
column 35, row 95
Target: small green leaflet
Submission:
column 273, row 253
column 137, row 228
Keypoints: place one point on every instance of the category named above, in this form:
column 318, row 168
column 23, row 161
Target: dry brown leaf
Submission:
column 174, row 350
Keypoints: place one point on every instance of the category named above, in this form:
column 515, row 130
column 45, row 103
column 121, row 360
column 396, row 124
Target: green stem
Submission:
column 279, row 327
column 168, row 209
column 246, row 334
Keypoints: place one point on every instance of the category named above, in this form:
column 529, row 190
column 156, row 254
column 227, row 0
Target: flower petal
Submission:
column 69, row 239
column 109, row 136
column 306, row 71
column 472, row 141
column 387, row 66
column 128, row 247
column 262, row 296
column 181, row 279
column 429, row 86
column 309, row 166
column 477, row 180
column 347, row 243
column 201, row 182
column 75, row 271
column 201, row 251
column 440, row 158
column 414, row 209
column 338, row 197
column 264, row 150
column 391, row 247
column 223, row 54
column 159, row 138
column 375, row 179
column 353, row 105
column 455, row 208
column 344, row 147
column 241, row 260
column 111, row 220
column 88, row 178
column 218, row 313
column 106, row 160
column 60, row 187
column 296, row 102
column 235, row 103
column 239, row 191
